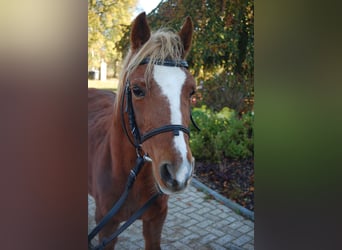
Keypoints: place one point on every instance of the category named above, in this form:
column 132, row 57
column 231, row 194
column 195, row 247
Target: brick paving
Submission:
column 194, row 221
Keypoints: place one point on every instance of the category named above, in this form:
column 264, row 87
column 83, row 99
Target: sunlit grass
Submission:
column 110, row 84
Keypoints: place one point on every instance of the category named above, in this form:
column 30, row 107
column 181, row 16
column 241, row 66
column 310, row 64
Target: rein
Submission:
column 141, row 160
column 138, row 139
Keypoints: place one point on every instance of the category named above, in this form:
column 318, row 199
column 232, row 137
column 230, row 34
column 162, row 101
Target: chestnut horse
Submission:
column 160, row 86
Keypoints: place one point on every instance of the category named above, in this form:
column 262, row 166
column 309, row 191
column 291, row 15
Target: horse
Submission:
column 156, row 86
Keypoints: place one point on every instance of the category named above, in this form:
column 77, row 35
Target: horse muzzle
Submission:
column 175, row 179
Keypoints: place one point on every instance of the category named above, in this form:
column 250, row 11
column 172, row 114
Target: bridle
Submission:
column 139, row 138
column 137, row 141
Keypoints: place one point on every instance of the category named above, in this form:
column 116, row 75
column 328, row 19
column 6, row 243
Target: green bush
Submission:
column 226, row 90
column 222, row 135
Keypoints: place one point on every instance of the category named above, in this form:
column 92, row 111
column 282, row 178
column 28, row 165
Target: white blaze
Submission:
column 171, row 81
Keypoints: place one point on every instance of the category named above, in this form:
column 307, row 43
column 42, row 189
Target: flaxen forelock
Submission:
column 163, row 44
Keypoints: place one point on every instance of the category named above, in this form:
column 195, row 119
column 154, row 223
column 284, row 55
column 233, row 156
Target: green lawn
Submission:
column 110, row 84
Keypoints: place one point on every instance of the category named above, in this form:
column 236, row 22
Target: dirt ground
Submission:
column 232, row 178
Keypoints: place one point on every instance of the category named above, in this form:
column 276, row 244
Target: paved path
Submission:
column 193, row 222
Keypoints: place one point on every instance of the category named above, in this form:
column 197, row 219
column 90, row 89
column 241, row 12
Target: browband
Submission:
column 166, row 62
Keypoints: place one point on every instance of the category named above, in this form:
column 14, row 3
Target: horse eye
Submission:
column 192, row 92
column 138, row 92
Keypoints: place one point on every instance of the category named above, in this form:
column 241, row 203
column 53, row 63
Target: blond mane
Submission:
column 163, row 44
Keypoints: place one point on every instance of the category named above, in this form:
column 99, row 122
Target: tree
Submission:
column 107, row 20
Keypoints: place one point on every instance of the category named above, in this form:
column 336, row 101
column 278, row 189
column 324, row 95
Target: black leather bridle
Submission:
column 139, row 138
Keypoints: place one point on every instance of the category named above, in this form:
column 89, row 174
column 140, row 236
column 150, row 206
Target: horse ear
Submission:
column 186, row 35
column 140, row 31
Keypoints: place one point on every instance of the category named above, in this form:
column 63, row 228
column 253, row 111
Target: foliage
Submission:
column 223, row 47
column 107, row 20
column 226, row 89
column 223, row 135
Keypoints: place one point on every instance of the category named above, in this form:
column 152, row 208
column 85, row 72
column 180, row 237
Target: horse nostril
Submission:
column 165, row 172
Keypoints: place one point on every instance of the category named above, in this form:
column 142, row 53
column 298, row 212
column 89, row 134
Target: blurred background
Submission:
column 44, row 59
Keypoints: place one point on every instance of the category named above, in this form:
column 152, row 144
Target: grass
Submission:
column 207, row 196
column 110, row 84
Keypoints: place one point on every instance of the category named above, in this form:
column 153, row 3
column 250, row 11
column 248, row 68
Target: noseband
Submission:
column 139, row 138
